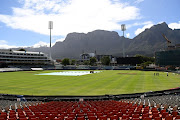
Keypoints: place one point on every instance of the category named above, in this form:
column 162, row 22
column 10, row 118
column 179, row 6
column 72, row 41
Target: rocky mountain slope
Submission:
column 109, row 42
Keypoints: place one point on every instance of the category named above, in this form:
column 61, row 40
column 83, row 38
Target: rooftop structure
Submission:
column 12, row 57
column 87, row 56
column 170, row 57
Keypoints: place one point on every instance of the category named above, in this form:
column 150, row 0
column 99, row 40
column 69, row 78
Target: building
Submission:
column 21, row 58
column 99, row 57
column 112, row 59
column 128, row 60
column 87, row 56
column 169, row 57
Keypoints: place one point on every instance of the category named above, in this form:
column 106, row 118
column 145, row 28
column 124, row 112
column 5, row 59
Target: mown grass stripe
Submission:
column 105, row 82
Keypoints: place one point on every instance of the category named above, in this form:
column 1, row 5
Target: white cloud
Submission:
column 160, row 22
column 69, row 16
column 40, row 44
column 4, row 45
column 138, row 24
column 139, row 30
column 60, row 40
column 3, row 42
column 174, row 25
column 45, row 44
column 138, row 1
column 128, row 35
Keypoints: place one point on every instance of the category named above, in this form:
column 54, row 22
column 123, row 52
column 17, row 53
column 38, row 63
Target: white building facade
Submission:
column 11, row 57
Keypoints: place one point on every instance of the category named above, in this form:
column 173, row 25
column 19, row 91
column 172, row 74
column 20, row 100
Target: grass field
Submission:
column 105, row 82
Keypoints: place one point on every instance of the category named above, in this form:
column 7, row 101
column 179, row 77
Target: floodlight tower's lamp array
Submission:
column 123, row 28
column 50, row 26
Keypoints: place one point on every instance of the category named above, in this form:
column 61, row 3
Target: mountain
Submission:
column 109, row 42
column 151, row 40
column 103, row 42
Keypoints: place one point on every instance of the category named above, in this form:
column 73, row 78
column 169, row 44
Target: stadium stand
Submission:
column 158, row 105
column 165, row 107
column 10, row 69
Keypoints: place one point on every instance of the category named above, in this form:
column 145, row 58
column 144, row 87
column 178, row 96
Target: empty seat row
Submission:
column 89, row 110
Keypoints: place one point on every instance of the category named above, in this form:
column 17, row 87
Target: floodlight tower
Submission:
column 123, row 28
column 50, row 26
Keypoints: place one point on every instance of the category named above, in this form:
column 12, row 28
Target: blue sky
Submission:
column 24, row 23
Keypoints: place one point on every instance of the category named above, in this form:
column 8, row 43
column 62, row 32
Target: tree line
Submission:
column 144, row 61
column 93, row 61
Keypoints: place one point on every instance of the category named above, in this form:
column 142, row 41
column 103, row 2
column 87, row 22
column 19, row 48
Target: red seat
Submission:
column 51, row 116
column 178, row 117
column 2, row 118
column 12, row 115
column 42, row 116
column 32, row 116
column 125, row 116
column 80, row 118
column 99, row 114
column 46, row 118
column 90, row 114
column 174, row 113
column 80, row 114
column 158, row 118
column 147, row 118
column 155, row 111
column 169, row 117
column 61, row 116
column 109, row 114
column 165, row 114
column 71, row 115
column 103, row 117
column 92, row 117
column 137, row 112
column 34, row 119
column 119, row 114
column 145, row 115
column 46, row 113
column 114, row 117
column 58, row 118
column 145, row 111
column 70, row 118
column 22, row 119
column 162, row 111
column 154, row 108
column 129, row 113
column 22, row 116
column 136, row 119
column 155, row 115
column 12, row 118
column 123, row 111
column 135, row 116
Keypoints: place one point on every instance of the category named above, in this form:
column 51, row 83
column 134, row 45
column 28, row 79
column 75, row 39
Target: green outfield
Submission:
column 105, row 82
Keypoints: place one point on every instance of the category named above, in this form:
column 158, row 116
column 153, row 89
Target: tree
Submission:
column 21, row 49
column 73, row 62
column 65, row 61
column 105, row 60
column 92, row 61
column 145, row 58
column 146, row 64
column 86, row 62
